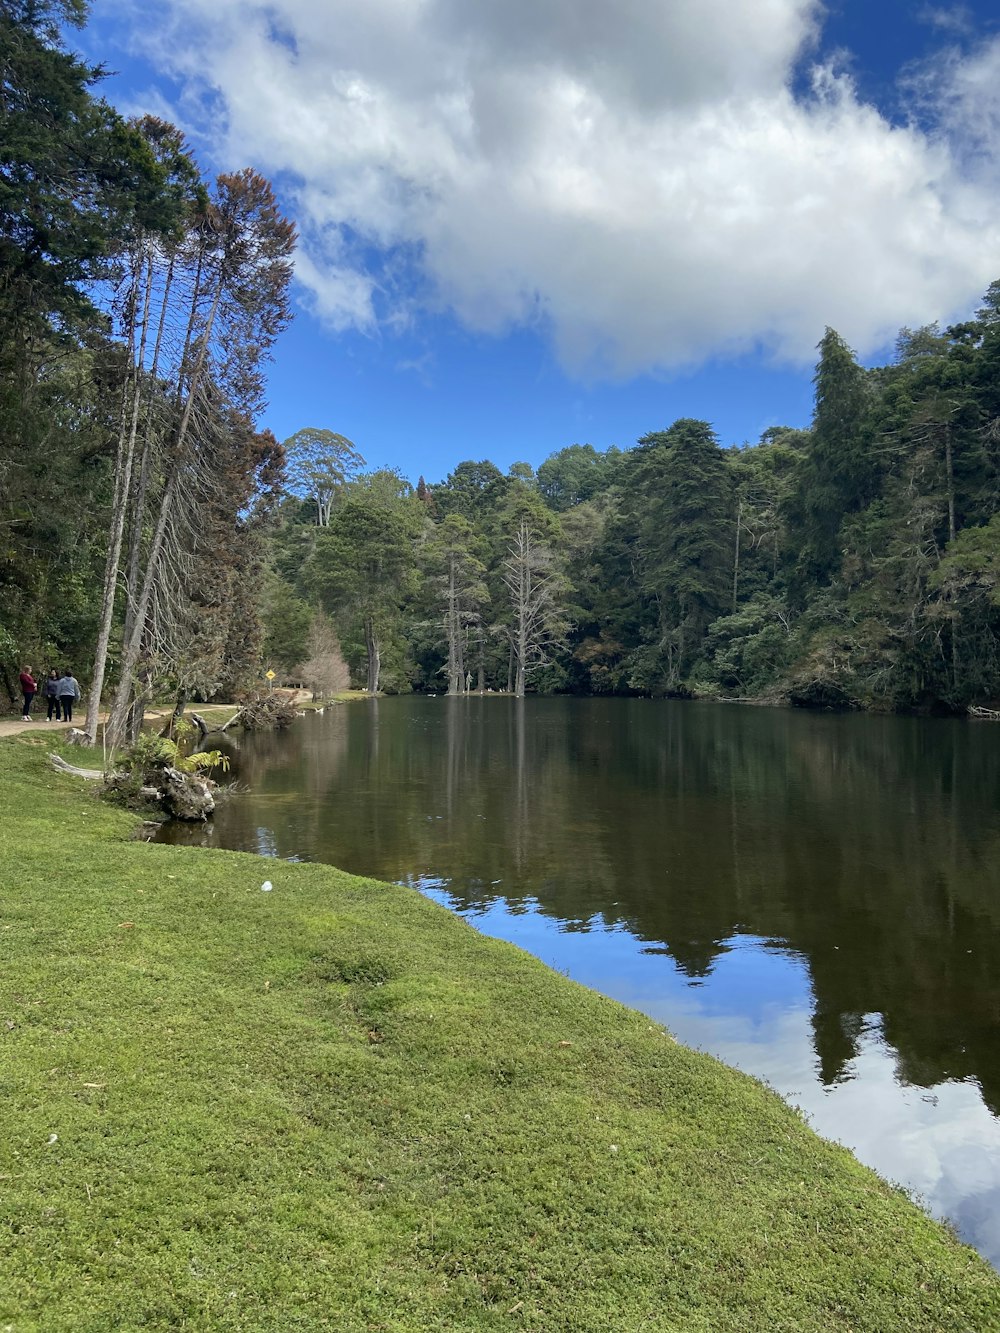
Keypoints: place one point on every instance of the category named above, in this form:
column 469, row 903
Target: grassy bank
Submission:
column 334, row 1106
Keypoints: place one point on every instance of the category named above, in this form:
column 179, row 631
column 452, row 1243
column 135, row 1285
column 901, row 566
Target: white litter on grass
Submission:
column 266, row 887
column 53, row 1138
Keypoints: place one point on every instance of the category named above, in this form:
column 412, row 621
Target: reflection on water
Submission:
column 814, row 899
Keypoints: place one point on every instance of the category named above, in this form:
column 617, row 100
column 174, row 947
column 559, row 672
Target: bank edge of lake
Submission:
column 335, row 1105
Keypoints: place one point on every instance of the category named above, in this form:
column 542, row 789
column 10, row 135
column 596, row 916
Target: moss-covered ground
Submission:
column 334, row 1106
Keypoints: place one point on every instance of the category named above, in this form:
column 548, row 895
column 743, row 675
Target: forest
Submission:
column 155, row 537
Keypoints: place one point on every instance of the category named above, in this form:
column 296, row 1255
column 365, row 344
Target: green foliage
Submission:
column 320, row 463
column 204, row 760
column 287, row 622
column 74, row 178
column 52, row 518
column 751, row 649
column 679, row 494
column 840, row 470
column 151, row 754
column 363, row 566
column 970, row 571
column 965, row 590
column 474, row 490
column 575, row 475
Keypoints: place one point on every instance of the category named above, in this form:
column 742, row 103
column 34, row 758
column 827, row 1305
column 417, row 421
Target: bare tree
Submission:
column 147, row 271
column 237, row 255
column 535, row 584
column 324, row 672
column 458, row 573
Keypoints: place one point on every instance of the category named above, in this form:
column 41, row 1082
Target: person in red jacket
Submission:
column 29, row 689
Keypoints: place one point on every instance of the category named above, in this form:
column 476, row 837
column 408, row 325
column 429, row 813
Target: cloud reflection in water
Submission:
column 754, row 1011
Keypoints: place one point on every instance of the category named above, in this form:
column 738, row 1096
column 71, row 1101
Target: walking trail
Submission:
column 10, row 726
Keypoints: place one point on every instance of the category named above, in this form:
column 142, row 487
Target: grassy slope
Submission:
column 335, row 1106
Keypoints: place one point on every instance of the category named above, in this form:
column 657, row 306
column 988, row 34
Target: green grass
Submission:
column 334, row 1106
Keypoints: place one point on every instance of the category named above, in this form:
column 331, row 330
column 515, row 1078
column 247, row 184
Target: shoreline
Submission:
column 335, row 1105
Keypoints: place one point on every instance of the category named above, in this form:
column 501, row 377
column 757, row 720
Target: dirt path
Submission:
column 10, row 726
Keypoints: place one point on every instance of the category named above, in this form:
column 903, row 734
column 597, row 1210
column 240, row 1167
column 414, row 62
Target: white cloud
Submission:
column 637, row 179
column 959, row 92
column 340, row 296
column 955, row 19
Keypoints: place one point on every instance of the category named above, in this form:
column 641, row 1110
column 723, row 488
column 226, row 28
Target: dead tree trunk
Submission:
column 374, row 654
column 456, row 656
column 117, row 720
column 124, row 459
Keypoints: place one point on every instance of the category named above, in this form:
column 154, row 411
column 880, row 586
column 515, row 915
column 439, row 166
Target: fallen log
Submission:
column 206, row 729
column 91, row 774
column 201, row 724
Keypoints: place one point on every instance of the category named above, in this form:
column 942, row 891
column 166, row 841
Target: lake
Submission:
column 813, row 898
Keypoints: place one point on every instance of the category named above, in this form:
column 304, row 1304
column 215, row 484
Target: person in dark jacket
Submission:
column 68, row 690
column 52, row 696
column 29, row 689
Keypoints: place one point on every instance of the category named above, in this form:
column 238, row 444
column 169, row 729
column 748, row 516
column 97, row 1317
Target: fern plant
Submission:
column 158, row 752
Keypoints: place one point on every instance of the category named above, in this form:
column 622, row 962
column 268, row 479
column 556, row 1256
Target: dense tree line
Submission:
column 855, row 563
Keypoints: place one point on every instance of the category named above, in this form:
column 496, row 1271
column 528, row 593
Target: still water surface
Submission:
column 815, row 899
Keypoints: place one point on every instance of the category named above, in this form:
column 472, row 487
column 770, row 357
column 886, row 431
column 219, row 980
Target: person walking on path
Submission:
column 29, row 688
column 52, row 695
column 67, row 690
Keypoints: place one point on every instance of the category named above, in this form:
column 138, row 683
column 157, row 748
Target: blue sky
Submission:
column 532, row 224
